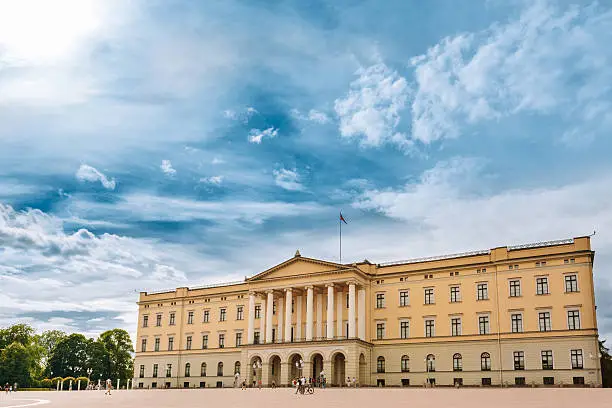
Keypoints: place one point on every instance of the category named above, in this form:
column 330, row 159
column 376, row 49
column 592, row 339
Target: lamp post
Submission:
column 256, row 367
column 300, row 366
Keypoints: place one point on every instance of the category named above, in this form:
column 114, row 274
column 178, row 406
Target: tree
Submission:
column 606, row 365
column 70, row 357
column 15, row 365
column 98, row 360
column 19, row 333
column 119, row 346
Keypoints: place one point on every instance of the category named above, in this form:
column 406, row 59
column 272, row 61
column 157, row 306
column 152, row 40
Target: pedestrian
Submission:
column 259, row 384
column 109, row 386
column 354, row 382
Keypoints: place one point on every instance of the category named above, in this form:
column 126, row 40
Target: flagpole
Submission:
column 340, row 221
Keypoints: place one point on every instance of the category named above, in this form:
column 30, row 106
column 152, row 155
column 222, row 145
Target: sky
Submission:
column 154, row 144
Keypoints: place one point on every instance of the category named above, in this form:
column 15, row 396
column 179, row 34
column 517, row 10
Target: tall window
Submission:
column 274, row 308
column 256, row 337
column 405, row 364
column 157, row 344
column 380, row 300
column 206, row 316
column 380, row 365
column 188, row 345
column 238, row 339
column 170, row 343
column 483, row 325
column 571, row 283
column 404, row 329
column 576, row 359
column 205, row 341
column 155, row 369
column 544, row 321
column 482, row 291
column 542, row 286
column 429, row 296
column 220, row 369
column 240, row 313
column 457, row 362
column 547, row 360
column 258, row 311
column 380, row 331
column 203, row 370
column 517, row 322
column 143, row 345
column 404, row 300
column 515, row 288
column 168, row 370
column 456, row 326
column 455, row 295
column 188, row 370
column 142, row 371
column 485, row 362
column 237, row 367
column 221, row 340
column 172, row 319
column 145, row 321
column 519, row 360
column 222, row 314
column 430, row 363
column 429, row 328
column 573, row 319
column 158, row 320
column 190, row 318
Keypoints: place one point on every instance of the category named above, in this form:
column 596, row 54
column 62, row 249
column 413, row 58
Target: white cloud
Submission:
column 166, row 167
column 216, row 180
column 92, row 175
column 546, row 61
column 257, row 135
column 370, row 112
column 312, row 116
column 288, row 179
column 217, row 160
column 242, row 115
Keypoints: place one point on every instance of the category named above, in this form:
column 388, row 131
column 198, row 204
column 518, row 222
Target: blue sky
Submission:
column 155, row 144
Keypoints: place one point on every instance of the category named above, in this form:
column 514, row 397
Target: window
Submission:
column 547, row 360
column 578, row 380
column 458, row 381
column 221, row 340
column 206, row 316
column 571, row 283
column 222, row 314
column 457, row 362
column 220, row 369
column 380, row 300
column 172, row 319
column 519, row 381
column 274, row 308
column 187, row 370
column 482, row 291
column 573, row 319
column 170, row 343
column 142, row 372
column 517, row 322
column 539, row 264
column 240, row 313
column 203, row 370
column 548, row 380
column 515, row 288
column 429, row 328
column 544, row 321
column 205, row 341
column 143, row 345
column 158, row 321
column 404, row 300
column 404, row 329
column 485, row 362
column 455, row 295
column 168, row 370
column 189, row 340
column 237, row 367
column 542, row 286
column 483, row 324
column 519, row 360
column 430, row 361
column 155, row 369
column 405, row 364
column 256, row 338
column 273, row 335
column 380, row 365
column 486, row 381
column 380, row 331
column 238, row 339
column 576, row 356
column 190, row 318
column 156, row 344
column 429, row 296
column 456, row 326
column 145, row 321
column 258, row 311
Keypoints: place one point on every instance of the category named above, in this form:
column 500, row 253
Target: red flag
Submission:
column 342, row 219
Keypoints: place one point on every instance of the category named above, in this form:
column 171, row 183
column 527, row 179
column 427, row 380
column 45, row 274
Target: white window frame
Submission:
column 522, row 322
column 433, row 334
column 460, row 326
column 400, row 328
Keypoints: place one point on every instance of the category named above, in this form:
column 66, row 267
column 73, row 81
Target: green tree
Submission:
column 98, row 360
column 606, row 365
column 19, row 333
column 15, row 365
column 70, row 357
column 119, row 346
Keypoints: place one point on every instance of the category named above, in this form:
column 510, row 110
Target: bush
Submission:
column 83, row 381
column 33, row 389
column 67, row 383
column 47, row 382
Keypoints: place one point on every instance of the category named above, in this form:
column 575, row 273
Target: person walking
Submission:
column 354, row 382
column 109, row 386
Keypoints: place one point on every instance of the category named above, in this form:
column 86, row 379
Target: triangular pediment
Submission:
column 297, row 266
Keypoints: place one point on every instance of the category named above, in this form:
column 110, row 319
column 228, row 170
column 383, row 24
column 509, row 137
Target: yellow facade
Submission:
column 509, row 315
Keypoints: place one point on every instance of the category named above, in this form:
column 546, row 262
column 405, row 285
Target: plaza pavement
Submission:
column 285, row 398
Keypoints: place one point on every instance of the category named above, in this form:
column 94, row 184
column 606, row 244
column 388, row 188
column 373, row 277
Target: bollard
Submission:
column 57, row 385
column 79, row 385
column 70, row 386
column 118, row 383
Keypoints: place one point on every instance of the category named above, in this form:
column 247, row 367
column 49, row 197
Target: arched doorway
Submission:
column 254, row 371
column 362, row 370
column 338, row 377
column 317, row 365
column 275, row 370
column 294, row 366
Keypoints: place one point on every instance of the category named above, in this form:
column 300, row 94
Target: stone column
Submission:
column 339, row 306
column 351, row 314
column 288, row 315
column 251, row 325
column 264, row 371
column 330, row 311
column 285, row 374
column 270, row 307
column 262, row 322
column 319, row 315
column 309, row 312
column 280, row 319
column 298, row 320
column 361, row 313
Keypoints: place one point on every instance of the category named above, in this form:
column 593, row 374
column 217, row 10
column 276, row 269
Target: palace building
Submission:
column 515, row 315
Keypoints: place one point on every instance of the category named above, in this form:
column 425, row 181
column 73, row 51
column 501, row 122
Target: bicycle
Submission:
column 307, row 389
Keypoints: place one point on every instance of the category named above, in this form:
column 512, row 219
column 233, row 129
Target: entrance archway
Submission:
column 362, row 370
column 275, row 370
column 317, row 365
column 254, row 371
column 294, row 370
column 338, row 377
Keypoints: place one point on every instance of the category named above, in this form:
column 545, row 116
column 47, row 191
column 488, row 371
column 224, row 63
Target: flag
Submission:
column 342, row 218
